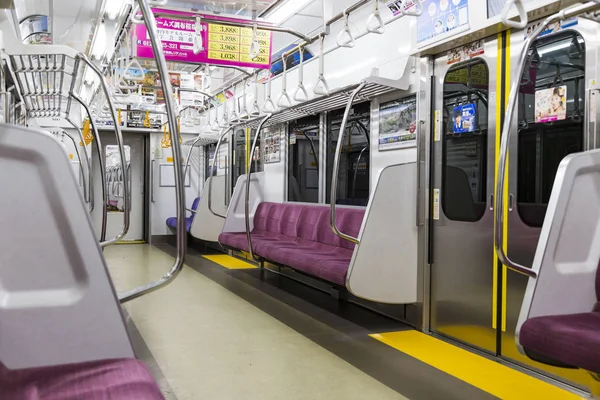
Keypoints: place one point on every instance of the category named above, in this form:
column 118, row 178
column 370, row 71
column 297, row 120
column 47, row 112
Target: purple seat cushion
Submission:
column 125, row 379
column 569, row 339
column 172, row 222
column 299, row 236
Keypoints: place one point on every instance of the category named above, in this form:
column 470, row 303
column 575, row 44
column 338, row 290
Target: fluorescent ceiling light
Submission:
column 113, row 8
column 286, row 10
column 99, row 46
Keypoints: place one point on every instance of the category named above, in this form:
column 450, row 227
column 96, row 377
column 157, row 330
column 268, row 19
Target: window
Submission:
column 115, row 177
column 353, row 185
column 464, row 142
column 551, row 104
column 303, row 160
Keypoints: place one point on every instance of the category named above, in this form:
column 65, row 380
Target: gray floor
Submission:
column 221, row 334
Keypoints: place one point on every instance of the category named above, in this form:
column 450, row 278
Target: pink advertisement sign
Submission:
column 221, row 44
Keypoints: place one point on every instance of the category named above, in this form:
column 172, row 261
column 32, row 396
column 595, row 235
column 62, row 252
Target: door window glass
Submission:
column 115, row 177
column 465, row 141
column 303, row 160
column 550, row 109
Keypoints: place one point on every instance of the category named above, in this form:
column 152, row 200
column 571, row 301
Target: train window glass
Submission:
column 464, row 144
column 303, row 160
column 551, row 104
column 209, row 153
column 353, row 185
column 115, row 176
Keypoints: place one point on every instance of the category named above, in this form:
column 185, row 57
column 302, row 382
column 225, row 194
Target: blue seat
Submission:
column 172, row 222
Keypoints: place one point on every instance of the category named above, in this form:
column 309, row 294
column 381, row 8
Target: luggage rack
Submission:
column 374, row 87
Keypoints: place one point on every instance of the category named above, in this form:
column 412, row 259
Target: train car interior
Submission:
column 307, row 199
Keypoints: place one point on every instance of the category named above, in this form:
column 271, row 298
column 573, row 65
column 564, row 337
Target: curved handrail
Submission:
column 224, row 132
column 102, row 164
column 522, row 23
column 88, row 164
column 119, row 135
column 356, row 170
column 507, row 133
column 336, row 166
column 189, row 155
column 248, row 176
column 75, row 147
column 179, row 190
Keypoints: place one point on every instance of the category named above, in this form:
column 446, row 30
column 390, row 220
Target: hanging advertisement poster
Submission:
column 221, row 44
column 34, row 30
column 466, row 52
column 188, row 98
column 552, row 28
column 494, row 7
column 465, row 118
column 551, row 104
column 439, row 18
column 398, row 124
column 272, row 147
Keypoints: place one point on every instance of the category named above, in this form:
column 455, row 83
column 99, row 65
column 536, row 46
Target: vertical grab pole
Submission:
column 88, row 164
column 247, row 199
column 119, row 134
column 506, row 133
column 224, row 132
column 336, row 165
column 161, row 62
column 102, row 167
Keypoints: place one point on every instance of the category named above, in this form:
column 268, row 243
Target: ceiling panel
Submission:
column 244, row 8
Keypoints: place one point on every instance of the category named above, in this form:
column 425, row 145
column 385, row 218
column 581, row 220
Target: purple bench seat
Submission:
column 125, row 379
column 172, row 221
column 299, row 236
column 565, row 340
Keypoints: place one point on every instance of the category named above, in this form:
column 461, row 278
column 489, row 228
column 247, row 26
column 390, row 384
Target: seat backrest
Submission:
column 310, row 222
column 57, row 302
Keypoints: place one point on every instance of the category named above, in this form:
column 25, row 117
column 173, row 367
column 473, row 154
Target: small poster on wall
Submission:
column 439, row 18
column 464, row 118
column 551, row 104
column 466, row 52
column 272, row 147
column 398, row 124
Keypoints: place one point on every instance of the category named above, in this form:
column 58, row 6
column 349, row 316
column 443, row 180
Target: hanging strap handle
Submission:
column 522, row 22
column 345, row 38
column 224, row 121
column 234, row 118
column 198, row 44
column 301, row 94
column 376, row 16
column 244, row 111
column 284, row 100
column 269, row 106
column 254, row 45
column 416, row 13
column 255, row 109
column 321, row 87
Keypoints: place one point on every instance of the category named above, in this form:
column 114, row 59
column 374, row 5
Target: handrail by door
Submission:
column 85, row 191
column 248, row 176
column 224, row 132
column 161, row 62
column 101, row 162
column 88, row 165
column 507, row 132
column 119, row 135
column 336, row 166
column 356, row 170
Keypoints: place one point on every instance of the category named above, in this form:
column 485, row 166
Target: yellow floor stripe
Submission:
column 229, row 262
column 487, row 375
column 131, row 242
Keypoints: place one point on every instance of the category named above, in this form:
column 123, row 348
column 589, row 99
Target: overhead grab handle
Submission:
column 244, row 111
column 234, row 118
column 255, row 109
column 132, row 64
column 522, row 22
column 321, row 87
column 376, row 16
column 301, row 94
column 254, row 45
column 198, row 45
column 345, row 38
column 500, row 234
column 417, row 13
column 284, row 100
column 269, row 106
column 336, row 166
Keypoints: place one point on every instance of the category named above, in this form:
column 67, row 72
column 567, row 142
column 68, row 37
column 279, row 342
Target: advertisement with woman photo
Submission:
column 551, row 104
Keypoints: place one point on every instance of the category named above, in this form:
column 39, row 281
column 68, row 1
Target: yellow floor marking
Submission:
column 498, row 380
column 131, row 242
column 229, row 262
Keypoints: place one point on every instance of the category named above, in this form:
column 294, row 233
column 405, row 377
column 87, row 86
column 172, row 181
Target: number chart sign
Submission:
column 222, row 44
column 398, row 124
